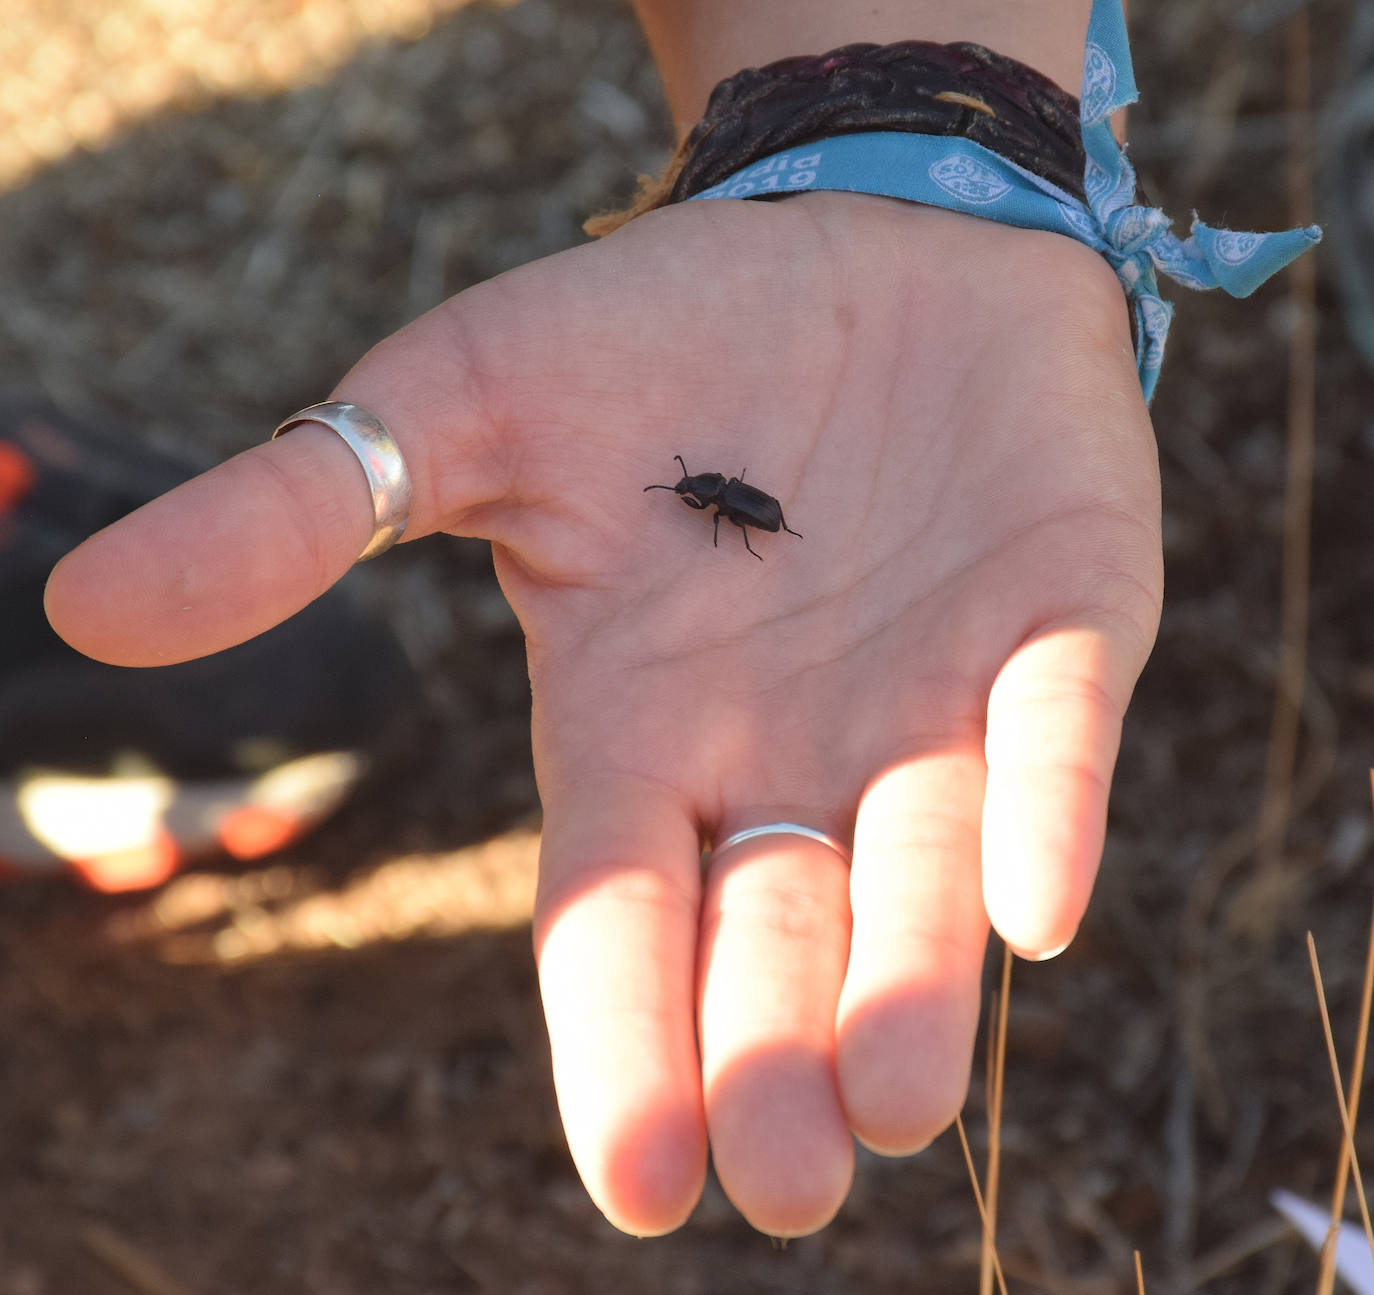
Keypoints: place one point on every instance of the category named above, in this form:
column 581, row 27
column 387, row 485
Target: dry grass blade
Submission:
column 1139, row 1275
column 136, row 1269
column 1232, row 1252
column 1327, row 1280
column 978, row 1198
column 1285, row 790
column 997, row 1065
column 1340, row 1095
column 1295, row 597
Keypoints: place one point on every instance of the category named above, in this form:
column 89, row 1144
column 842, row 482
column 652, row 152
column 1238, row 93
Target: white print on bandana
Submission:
column 968, row 179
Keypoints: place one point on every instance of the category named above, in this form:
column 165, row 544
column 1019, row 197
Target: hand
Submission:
column 948, row 411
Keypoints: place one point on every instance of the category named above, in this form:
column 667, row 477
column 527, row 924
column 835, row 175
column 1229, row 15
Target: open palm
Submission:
column 948, row 411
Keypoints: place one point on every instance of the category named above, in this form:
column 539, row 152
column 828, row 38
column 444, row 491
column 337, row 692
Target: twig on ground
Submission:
column 127, row 1261
column 978, row 1198
column 1210, row 880
column 1234, row 1251
column 1346, row 1124
column 1328, row 1268
column 997, row 1067
column 1295, row 596
column 1286, row 790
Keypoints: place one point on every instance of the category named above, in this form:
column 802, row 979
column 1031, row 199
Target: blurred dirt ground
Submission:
column 328, row 1074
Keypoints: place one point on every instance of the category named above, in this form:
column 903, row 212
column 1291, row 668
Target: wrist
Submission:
column 698, row 44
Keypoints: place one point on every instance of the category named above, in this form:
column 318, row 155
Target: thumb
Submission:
column 240, row 548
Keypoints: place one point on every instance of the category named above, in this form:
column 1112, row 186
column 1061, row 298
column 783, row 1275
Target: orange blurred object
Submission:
column 17, row 475
column 137, row 868
column 256, row 830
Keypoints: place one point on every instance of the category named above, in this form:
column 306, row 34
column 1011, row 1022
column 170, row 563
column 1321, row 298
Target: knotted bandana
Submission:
column 956, row 173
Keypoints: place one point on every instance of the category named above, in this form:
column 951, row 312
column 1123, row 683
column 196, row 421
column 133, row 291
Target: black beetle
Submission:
column 737, row 502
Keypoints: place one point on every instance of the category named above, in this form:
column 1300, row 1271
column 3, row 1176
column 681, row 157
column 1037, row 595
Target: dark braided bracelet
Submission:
column 917, row 86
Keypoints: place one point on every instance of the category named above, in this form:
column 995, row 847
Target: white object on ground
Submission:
column 1354, row 1264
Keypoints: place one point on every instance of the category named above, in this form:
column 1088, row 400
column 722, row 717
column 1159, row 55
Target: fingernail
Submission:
column 892, row 1153
column 1045, row 955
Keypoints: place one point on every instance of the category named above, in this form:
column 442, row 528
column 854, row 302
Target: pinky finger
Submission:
column 1053, row 733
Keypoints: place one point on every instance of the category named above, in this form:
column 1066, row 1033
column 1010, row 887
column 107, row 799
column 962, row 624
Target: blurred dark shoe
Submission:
column 125, row 775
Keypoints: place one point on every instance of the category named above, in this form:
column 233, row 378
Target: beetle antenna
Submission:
column 685, row 473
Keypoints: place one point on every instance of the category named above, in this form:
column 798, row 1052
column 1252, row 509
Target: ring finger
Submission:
column 774, row 944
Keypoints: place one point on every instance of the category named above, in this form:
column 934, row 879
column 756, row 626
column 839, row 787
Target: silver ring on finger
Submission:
column 782, row 829
column 387, row 478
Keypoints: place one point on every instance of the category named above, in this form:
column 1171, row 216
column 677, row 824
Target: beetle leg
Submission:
column 693, row 503
column 715, row 535
column 747, row 545
column 787, row 528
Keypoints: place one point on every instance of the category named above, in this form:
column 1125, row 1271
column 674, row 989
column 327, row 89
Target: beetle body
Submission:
column 734, row 499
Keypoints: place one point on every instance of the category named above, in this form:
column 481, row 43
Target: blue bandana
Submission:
column 1139, row 241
